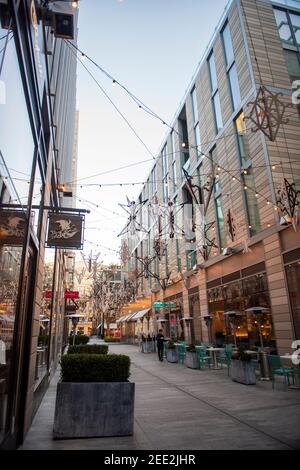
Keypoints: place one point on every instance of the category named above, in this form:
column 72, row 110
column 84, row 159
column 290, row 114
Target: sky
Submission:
column 153, row 47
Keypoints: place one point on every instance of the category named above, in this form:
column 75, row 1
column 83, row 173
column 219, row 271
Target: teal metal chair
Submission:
column 203, row 358
column 225, row 357
column 277, row 368
column 181, row 348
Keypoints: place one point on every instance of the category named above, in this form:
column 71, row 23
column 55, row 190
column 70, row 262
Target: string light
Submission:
column 75, row 3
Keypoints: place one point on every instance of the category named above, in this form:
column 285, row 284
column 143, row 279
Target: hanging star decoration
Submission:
column 133, row 226
column 146, row 271
column 172, row 228
column 209, row 243
column 267, row 112
column 288, row 203
column 231, row 226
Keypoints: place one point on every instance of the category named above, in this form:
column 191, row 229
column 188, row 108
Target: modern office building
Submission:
column 222, row 195
column 37, row 126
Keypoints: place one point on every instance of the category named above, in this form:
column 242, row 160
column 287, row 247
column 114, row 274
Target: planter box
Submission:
column 191, row 360
column 172, row 356
column 94, row 410
column 243, row 372
column 148, row 347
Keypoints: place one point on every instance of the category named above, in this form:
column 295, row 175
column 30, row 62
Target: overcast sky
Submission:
column 153, row 48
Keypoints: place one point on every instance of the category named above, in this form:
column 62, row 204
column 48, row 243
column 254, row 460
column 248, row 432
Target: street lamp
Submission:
column 75, row 319
column 233, row 315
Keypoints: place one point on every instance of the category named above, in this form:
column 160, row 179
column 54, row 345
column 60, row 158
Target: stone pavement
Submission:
column 178, row 408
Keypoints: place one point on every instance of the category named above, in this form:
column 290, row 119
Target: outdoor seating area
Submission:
column 259, row 362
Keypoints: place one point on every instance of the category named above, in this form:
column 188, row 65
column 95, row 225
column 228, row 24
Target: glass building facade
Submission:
column 33, row 146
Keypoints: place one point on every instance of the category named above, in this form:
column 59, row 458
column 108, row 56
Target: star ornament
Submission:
column 133, row 226
column 267, row 113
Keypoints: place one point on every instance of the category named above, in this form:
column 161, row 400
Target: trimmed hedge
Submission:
column 79, row 339
column 88, row 349
column 111, row 339
column 95, row 368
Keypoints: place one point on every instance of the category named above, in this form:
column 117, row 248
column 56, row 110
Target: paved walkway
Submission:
column 178, row 408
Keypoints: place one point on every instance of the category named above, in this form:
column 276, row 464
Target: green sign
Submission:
column 158, row 305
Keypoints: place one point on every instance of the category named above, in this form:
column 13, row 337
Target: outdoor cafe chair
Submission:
column 203, row 358
column 278, row 369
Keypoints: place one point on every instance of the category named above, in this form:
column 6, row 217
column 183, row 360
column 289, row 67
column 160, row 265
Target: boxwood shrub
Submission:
column 79, row 339
column 95, row 368
column 88, row 349
column 111, row 339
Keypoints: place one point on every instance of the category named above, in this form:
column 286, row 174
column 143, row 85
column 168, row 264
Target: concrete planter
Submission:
column 172, row 356
column 191, row 360
column 243, row 372
column 94, row 410
column 148, row 347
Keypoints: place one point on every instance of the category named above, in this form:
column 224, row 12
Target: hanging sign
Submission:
column 71, row 294
column 12, row 228
column 65, row 231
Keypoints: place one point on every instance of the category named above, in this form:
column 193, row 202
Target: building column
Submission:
column 279, row 296
column 203, row 303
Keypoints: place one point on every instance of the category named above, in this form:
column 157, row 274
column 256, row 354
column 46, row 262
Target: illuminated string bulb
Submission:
column 245, row 188
column 75, row 3
column 273, row 167
column 245, row 172
column 219, row 168
column 233, row 178
column 268, row 203
column 183, row 144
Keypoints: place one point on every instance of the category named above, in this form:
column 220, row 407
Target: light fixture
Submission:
column 183, row 144
column 75, row 4
column 245, row 172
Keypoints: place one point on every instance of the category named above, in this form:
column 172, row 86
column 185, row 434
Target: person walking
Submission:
column 160, row 344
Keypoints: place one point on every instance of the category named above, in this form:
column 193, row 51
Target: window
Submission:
column 154, row 180
column 217, row 112
column 234, row 86
column 283, row 26
column 227, row 41
column 198, row 140
column 231, row 67
column 221, row 223
column 213, row 73
column 214, row 160
column 247, row 176
column 241, row 131
column 295, row 20
column 165, row 161
column 293, row 64
column 174, row 171
column 195, row 105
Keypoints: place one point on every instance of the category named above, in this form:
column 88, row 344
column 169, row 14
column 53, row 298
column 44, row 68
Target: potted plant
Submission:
column 242, row 369
column 147, row 344
column 172, row 355
column 191, row 359
column 78, row 339
column 94, row 397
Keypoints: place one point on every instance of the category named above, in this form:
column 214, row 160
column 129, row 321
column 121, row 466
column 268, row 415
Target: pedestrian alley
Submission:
column 183, row 409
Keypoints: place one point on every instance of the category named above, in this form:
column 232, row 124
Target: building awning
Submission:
column 124, row 318
column 139, row 315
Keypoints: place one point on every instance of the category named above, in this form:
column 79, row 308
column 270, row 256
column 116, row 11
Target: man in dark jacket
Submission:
column 160, row 345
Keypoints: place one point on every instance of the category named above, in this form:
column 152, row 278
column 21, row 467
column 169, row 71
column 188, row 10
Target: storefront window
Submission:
column 238, row 297
column 16, row 160
column 293, row 279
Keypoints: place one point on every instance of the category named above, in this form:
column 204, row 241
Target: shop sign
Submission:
column 158, row 305
column 65, row 231
column 71, row 295
column 12, row 228
column 48, row 294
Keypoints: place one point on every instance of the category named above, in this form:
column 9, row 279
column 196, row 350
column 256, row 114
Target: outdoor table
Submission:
column 296, row 385
column 213, row 353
